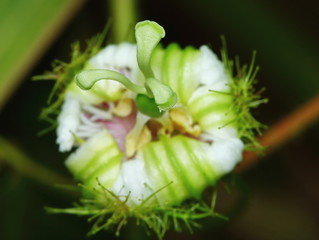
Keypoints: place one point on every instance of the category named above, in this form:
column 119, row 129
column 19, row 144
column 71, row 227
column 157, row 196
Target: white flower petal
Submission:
column 224, row 154
column 211, row 70
column 69, row 120
column 133, row 181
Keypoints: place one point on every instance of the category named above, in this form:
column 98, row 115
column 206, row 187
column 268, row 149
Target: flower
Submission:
column 153, row 126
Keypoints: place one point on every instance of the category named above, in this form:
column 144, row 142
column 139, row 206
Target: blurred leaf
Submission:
column 27, row 28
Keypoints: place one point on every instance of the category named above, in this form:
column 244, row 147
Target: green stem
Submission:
column 15, row 158
column 283, row 131
column 124, row 17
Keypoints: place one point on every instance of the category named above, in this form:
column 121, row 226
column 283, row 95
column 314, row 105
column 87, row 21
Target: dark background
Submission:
column 276, row 199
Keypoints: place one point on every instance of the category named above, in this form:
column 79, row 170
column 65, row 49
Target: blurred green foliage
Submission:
column 275, row 200
column 27, row 27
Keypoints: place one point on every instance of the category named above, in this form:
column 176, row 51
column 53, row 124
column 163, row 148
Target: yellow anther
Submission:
column 159, row 128
column 135, row 142
column 145, row 137
column 123, row 108
column 183, row 122
column 179, row 121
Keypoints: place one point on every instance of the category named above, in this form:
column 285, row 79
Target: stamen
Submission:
column 88, row 121
column 123, row 108
column 133, row 136
column 88, row 128
column 99, row 113
column 183, row 122
column 143, row 138
column 86, row 134
column 160, row 128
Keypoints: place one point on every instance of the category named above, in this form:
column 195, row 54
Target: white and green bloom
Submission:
column 154, row 126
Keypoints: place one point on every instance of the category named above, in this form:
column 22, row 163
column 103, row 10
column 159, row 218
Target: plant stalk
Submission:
column 283, row 131
column 124, row 17
column 21, row 163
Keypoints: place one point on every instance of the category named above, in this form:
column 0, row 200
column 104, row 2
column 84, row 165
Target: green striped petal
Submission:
column 212, row 110
column 180, row 164
column 94, row 158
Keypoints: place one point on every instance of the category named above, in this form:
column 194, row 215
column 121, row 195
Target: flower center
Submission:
column 130, row 129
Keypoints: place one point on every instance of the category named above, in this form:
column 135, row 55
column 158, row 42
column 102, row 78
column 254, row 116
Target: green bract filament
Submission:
column 149, row 127
column 148, row 34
